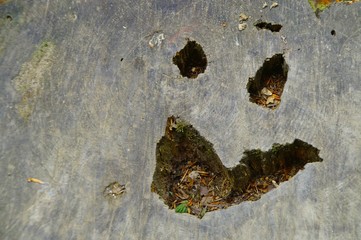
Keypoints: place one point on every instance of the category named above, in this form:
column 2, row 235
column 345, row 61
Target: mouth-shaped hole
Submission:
column 190, row 177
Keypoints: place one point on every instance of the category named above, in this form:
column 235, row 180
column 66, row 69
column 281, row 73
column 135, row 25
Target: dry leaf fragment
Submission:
column 275, row 96
column 203, row 173
column 270, row 99
column 242, row 26
column 274, row 183
column 194, row 175
column 266, row 92
column 274, row 5
column 243, row 17
column 35, row 180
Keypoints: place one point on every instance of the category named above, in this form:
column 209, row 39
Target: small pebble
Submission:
column 242, row 26
column 274, row 5
column 243, row 17
column 266, row 92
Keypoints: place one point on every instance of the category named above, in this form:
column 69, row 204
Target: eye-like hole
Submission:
column 265, row 89
column 191, row 60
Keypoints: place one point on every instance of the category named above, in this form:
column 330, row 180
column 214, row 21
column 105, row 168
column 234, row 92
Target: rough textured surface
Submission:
column 103, row 102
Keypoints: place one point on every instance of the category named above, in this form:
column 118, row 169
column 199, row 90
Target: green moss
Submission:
column 181, row 125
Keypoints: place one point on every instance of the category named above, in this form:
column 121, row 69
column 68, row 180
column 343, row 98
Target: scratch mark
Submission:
column 111, row 223
column 46, row 10
column 350, row 38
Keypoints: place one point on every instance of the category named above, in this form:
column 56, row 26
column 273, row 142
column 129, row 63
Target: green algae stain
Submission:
column 320, row 5
column 30, row 81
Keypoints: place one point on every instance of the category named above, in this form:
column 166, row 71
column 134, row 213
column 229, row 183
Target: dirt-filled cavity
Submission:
column 265, row 89
column 190, row 177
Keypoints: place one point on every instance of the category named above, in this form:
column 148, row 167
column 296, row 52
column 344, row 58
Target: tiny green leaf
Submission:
column 182, row 207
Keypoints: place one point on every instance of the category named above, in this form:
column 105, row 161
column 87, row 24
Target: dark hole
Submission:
column 190, row 177
column 266, row 87
column 191, row 60
column 8, row 17
column 268, row 26
column 333, row 33
column 121, row 59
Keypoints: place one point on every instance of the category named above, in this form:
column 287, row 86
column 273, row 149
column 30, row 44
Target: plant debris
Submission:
column 35, row 180
column 266, row 87
column 190, row 177
column 263, row 184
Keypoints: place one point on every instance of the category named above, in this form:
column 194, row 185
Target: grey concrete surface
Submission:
column 89, row 109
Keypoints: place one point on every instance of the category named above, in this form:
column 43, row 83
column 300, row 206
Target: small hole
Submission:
column 268, row 26
column 191, row 60
column 8, row 17
column 121, row 59
column 266, row 87
column 333, row 33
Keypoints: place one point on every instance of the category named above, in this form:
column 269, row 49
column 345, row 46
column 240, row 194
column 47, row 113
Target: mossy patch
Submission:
column 182, row 147
column 190, row 177
column 30, row 81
